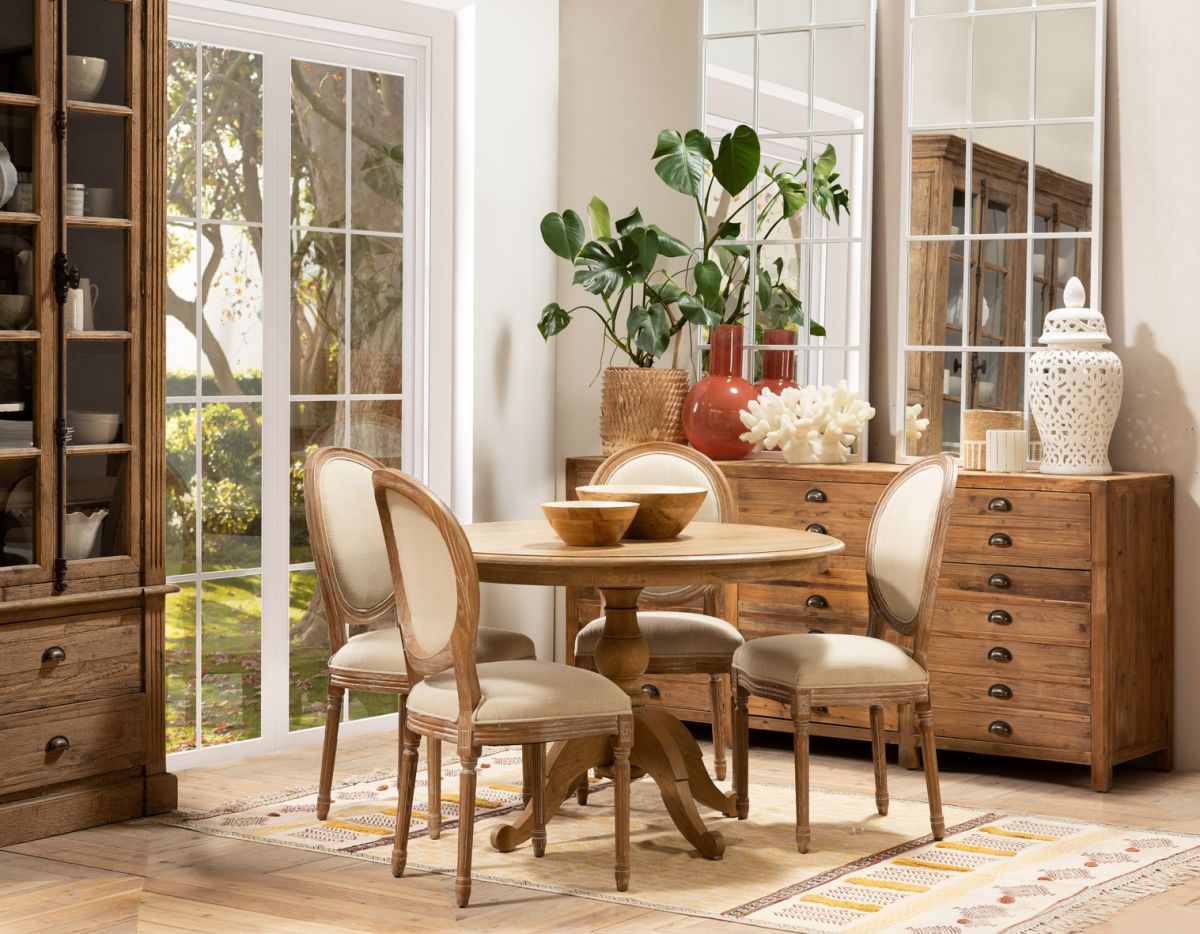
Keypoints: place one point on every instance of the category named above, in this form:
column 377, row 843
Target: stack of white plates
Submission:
column 15, row 434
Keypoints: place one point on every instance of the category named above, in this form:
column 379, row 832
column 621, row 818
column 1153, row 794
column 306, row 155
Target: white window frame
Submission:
column 427, row 288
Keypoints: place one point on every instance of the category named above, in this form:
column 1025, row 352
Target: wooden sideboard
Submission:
column 1053, row 631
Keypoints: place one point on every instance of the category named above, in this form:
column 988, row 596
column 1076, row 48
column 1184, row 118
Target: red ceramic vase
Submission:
column 711, row 410
column 778, row 365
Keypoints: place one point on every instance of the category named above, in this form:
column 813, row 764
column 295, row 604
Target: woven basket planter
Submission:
column 641, row 404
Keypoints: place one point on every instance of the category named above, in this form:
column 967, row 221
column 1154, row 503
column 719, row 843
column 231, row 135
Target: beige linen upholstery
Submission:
column 671, row 634
column 522, row 692
column 381, row 650
column 817, row 660
column 429, row 581
column 668, row 470
column 900, row 552
column 359, row 558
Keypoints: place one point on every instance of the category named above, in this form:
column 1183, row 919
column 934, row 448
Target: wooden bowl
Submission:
column 579, row 523
column 663, row 511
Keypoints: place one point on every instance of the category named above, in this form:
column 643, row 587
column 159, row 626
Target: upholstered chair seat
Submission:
column 522, row 692
column 817, row 660
column 672, row 634
column 381, row 651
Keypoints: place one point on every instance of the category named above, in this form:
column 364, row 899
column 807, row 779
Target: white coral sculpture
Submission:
column 914, row 425
column 808, row 425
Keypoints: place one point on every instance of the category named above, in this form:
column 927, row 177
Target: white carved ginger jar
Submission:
column 1074, row 388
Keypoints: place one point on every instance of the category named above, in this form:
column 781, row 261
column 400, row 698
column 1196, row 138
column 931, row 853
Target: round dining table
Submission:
column 528, row 552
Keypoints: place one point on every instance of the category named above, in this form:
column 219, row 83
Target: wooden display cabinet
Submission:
column 81, row 416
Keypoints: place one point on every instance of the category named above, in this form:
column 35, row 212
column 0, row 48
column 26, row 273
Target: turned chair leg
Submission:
column 526, row 776
column 622, row 744
column 581, row 790
column 908, row 746
column 433, row 770
column 469, row 758
column 929, row 754
column 716, row 703
column 741, row 749
column 333, row 718
column 405, row 785
column 535, row 755
column 879, row 755
column 801, row 715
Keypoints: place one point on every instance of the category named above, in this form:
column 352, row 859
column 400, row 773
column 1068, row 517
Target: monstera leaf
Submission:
column 554, row 319
column 737, row 159
column 563, row 233
column 603, row 266
column 682, row 160
column 649, row 328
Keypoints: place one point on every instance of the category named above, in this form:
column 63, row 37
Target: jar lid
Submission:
column 1074, row 325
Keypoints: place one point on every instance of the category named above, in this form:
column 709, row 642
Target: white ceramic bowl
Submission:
column 14, row 311
column 81, row 533
column 85, row 76
column 95, row 427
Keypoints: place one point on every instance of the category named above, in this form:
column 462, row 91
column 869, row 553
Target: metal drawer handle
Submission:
column 999, row 504
column 650, row 690
column 1000, row 728
column 58, row 744
column 817, row 602
column 1000, row 581
column 816, row 527
column 816, row 496
column 1002, row 691
column 1000, row 654
column 1000, row 540
column 1000, row 617
column 816, row 632
column 56, row 653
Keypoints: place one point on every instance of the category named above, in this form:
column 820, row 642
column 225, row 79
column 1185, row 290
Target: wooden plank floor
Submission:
column 146, row 877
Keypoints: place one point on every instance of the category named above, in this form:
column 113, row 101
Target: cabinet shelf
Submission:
column 19, row 453
column 106, row 223
column 91, row 107
column 16, row 217
column 97, row 336
column 115, row 448
column 9, row 99
column 20, row 335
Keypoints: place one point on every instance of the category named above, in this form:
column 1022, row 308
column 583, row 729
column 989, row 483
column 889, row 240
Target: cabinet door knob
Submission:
column 1000, row 540
column 999, row 504
column 817, row 602
column 1000, row 617
column 1000, row 728
column 56, row 653
column 816, row 496
column 1002, row 691
column 816, row 527
column 58, row 744
column 1000, row 581
column 651, row 690
column 1000, row 654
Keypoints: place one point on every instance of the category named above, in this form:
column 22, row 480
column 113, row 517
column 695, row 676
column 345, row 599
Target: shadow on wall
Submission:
column 489, row 456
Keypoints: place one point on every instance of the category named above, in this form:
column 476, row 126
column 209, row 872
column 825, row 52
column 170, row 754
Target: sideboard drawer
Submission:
column 774, row 609
column 1021, row 504
column 1000, row 658
column 1028, row 542
column 842, row 510
column 1010, row 729
column 997, row 617
column 47, row 664
column 999, row 693
column 681, row 692
column 1009, row 583
column 96, row 736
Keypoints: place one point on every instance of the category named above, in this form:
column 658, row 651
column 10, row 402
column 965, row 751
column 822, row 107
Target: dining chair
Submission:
column 679, row 642
column 356, row 590
column 457, row 698
column 805, row 671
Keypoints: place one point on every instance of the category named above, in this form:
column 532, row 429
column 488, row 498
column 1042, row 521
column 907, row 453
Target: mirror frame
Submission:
column 1028, row 237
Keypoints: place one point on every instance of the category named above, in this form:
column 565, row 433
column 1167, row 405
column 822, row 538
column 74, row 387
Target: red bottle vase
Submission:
column 712, row 409
column 778, row 365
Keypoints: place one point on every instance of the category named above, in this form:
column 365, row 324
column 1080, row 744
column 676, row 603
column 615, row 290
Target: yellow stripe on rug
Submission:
column 839, row 903
column 1021, row 835
column 971, row 848
column 886, row 884
column 930, row 864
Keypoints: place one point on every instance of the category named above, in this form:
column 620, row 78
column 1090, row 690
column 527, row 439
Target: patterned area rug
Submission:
column 995, row 871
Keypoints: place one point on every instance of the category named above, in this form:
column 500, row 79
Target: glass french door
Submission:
column 293, row 171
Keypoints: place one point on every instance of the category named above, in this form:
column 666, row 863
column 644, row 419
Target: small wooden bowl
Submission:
column 579, row 523
column 663, row 511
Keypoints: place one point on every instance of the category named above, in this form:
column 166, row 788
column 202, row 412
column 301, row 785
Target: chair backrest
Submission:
column 435, row 581
column 904, row 548
column 670, row 464
column 347, row 542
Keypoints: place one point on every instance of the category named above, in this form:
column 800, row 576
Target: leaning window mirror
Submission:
column 801, row 74
column 1001, row 188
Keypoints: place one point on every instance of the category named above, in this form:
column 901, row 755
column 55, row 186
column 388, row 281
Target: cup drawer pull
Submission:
column 816, row 527
column 58, row 744
column 816, row 496
column 56, row 653
column 651, row 690
column 1000, row 581
column 1002, row 691
column 816, row 632
column 999, row 504
column 1000, row 617
column 1000, row 728
column 1000, row 654
column 1000, row 540
column 817, row 602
